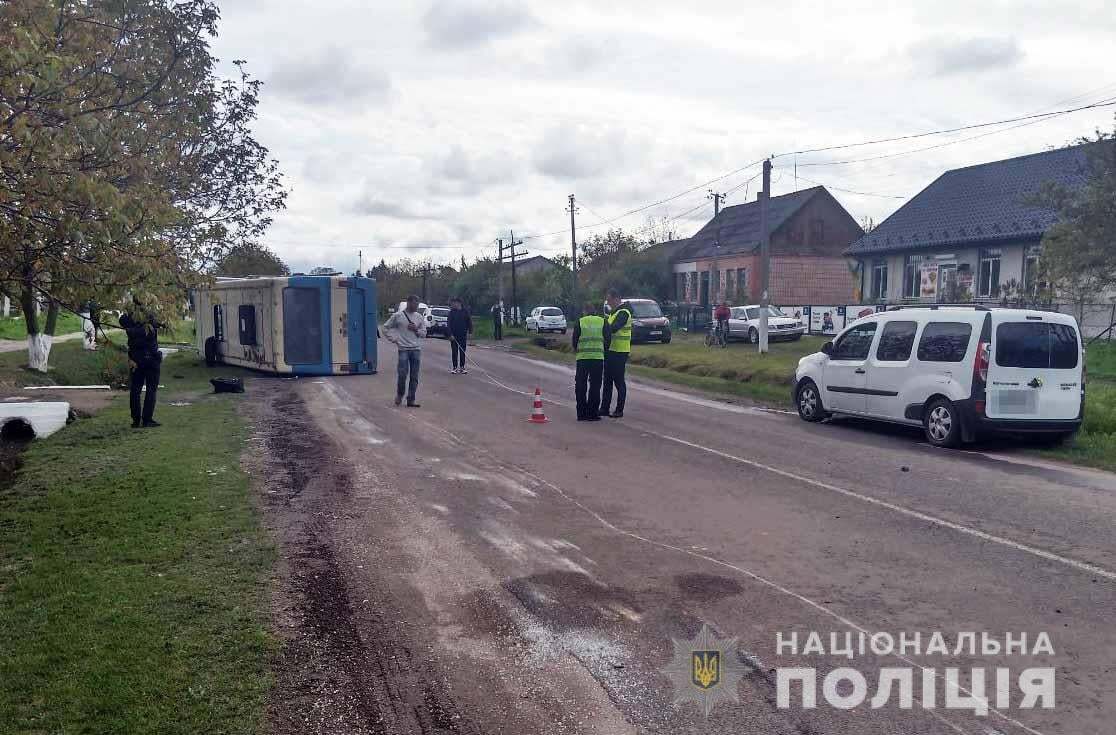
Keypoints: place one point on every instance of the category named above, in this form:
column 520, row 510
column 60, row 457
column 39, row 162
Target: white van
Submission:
column 959, row 372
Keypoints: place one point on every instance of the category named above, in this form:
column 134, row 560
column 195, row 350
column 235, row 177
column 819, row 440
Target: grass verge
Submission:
column 739, row 371
column 133, row 573
column 13, row 327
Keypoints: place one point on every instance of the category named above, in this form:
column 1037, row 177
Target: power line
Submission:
column 851, row 191
column 946, row 131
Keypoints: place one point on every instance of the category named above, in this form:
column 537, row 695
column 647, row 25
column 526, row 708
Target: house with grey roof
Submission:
column 968, row 233
column 809, row 232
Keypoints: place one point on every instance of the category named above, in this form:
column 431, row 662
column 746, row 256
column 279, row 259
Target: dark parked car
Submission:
column 648, row 322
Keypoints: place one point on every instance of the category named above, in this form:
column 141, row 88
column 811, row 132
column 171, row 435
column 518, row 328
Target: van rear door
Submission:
column 1035, row 369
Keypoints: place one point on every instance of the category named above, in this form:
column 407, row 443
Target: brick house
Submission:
column 809, row 232
column 968, row 233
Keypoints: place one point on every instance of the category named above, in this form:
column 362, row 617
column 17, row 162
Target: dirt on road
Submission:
column 386, row 626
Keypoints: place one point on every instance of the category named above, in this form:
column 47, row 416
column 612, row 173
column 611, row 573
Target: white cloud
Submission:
column 428, row 130
column 460, row 24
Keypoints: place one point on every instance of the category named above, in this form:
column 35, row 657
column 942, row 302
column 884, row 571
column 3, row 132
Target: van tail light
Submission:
column 980, row 365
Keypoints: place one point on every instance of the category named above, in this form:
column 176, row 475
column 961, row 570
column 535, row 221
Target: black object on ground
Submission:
column 227, row 385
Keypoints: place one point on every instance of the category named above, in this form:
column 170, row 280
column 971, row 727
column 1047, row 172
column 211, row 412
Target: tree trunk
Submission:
column 38, row 344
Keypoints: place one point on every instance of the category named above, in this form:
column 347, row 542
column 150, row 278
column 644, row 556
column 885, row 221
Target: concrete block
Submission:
column 45, row 417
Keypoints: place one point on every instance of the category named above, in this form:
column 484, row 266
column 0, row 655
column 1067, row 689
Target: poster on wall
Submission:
column 857, row 311
column 799, row 313
column 929, row 280
column 826, row 319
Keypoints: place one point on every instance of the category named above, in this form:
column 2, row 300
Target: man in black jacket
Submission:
column 144, row 359
column 460, row 325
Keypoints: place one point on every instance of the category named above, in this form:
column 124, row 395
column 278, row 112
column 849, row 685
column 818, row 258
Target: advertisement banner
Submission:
column 929, row 280
column 826, row 319
column 858, row 311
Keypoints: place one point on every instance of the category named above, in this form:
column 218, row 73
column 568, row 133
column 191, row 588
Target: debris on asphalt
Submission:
column 227, row 385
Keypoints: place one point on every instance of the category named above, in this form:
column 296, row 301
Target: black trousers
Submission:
column 458, row 343
column 587, row 387
column 615, row 364
column 497, row 328
column 144, row 374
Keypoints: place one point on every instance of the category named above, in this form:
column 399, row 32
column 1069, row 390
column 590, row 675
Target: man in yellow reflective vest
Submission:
column 616, row 356
column 590, row 340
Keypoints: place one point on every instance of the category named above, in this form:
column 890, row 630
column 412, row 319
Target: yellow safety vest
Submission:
column 622, row 339
column 590, row 344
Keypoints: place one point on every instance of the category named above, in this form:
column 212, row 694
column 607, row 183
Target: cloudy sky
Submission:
column 428, row 128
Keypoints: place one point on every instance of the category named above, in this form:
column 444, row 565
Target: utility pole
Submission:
column 500, row 279
column 765, row 256
column 513, row 255
column 426, row 271
column 575, row 307
column 718, row 200
column 360, row 262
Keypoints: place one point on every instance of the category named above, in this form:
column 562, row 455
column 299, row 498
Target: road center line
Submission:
column 982, row 535
column 609, row 525
column 1083, row 566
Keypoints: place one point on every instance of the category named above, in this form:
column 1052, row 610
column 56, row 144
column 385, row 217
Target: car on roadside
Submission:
column 437, row 321
column 960, row 373
column 745, row 324
column 648, row 322
column 546, row 319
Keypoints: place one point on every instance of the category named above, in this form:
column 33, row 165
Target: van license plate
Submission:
column 1018, row 402
column 656, row 333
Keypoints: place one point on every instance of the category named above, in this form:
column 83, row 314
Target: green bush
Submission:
column 1100, row 410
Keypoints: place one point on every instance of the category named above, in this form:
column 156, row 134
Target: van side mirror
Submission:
column 827, row 348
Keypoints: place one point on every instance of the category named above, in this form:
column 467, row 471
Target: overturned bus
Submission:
column 300, row 325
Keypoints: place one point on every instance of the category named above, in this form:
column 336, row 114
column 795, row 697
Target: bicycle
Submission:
column 716, row 336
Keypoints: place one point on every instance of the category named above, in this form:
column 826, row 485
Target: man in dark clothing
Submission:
column 144, row 359
column 460, row 325
column 590, row 340
column 498, row 321
column 616, row 356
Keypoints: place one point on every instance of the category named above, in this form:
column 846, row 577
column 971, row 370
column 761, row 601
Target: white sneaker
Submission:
column 463, row 371
column 453, row 370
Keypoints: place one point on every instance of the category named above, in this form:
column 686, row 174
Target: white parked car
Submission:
column 745, row 323
column 437, row 321
column 546, row 319
column 959, row 372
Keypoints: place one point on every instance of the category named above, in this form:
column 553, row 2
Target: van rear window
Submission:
column 1036, row 345
column 944, row 341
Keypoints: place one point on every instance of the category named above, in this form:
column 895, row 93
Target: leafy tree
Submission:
column 1078, row 260
column 250, row 259
column 126, row 165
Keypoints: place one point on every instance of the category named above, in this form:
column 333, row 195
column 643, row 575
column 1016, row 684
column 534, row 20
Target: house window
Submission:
column 247, row 322
column 742, row 283
column 1031, row 269
column 817, row 231
column 912, row 277
column 879, row 280
column 730, row 282
column 219, row 322
column 988, row 280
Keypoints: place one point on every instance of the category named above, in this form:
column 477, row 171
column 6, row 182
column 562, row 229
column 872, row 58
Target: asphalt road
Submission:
column 546, row 569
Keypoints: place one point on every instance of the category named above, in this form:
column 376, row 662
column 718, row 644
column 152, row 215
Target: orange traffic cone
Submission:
column 537, row 415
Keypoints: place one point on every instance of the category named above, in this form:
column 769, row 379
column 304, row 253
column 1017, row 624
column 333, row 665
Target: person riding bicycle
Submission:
column 721, row 315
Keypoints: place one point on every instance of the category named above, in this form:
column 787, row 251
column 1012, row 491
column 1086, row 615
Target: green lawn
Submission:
column 69, row 365
column 738, row 370
column 133, row 570
column 13, row 327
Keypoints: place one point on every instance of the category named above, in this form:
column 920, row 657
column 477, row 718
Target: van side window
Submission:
column 944, row 342
column 897, row 341
column 1036, row 345
column 855, row 343
column 247, row 320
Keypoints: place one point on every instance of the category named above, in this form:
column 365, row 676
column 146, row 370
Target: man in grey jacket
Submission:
column 406, row 329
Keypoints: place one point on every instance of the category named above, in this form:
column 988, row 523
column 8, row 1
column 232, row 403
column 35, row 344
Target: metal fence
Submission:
column 1096, row 320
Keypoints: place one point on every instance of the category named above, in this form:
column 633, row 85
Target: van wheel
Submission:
column 942, row 424
column 808, row 400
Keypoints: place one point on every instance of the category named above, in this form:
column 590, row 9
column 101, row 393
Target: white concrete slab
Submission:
column 44, row 417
